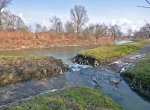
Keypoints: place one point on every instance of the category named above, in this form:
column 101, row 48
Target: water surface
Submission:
column 88, row 76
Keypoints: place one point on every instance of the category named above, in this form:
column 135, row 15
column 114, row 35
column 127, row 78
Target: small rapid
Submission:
column 110, row 83
column 76, row 67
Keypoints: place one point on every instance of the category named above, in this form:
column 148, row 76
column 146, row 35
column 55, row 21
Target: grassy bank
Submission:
column 105, row 54
column 19, row 69
column 139, row 76
column 77, row 98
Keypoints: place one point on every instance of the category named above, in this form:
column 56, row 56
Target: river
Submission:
column 96, row 77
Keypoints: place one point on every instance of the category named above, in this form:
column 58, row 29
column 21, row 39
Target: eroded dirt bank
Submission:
column 20, row 69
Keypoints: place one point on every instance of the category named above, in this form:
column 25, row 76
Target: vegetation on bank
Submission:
column 19, row 69
column 74, row 27
column 8, row 59
column 76, row 98
column 106, row 54
column 139, row 76
column 29, row 40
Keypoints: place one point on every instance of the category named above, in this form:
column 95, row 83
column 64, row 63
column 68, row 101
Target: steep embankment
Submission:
column 20, row 69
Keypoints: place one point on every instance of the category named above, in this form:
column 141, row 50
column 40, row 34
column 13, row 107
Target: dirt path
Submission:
column 123, row 63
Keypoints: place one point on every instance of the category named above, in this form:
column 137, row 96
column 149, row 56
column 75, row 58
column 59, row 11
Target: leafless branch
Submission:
column 56, row 24
column 79, row 17
column 145, row 6
column 147, row 1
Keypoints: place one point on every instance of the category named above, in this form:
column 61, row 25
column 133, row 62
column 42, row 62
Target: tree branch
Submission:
column 147, row 1
column 143, row 7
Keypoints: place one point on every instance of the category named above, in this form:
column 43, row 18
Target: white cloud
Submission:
column 126, row 24
column 25, row 19
column 123, row 21
column 46, row 23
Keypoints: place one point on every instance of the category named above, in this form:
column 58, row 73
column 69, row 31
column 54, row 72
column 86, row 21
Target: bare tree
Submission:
column 79, row 17
column 147, row 29
column 89, row 31
column 56, row 24
column 11, row 22
column 86, row 33
column 129, row 33
column 3, row 4
column 100, row 30
column 69, row 28
column 28, row 28
column 92, row 29
column 38, row 27
column 144, row 32
column 44, row 28
column 146, row 6
column 115, row 31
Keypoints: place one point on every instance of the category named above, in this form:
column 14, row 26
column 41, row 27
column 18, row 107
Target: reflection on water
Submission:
column 122, row 42
column 64, row 53
column 88, row 76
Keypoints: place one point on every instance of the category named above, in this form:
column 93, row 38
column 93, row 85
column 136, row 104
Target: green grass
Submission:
column 6, row 59
column 10, row 59
column 77, row 98
column 109, row 53
column 139, row 75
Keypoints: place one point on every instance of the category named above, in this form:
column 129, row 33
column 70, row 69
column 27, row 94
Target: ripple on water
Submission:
column 105, row 81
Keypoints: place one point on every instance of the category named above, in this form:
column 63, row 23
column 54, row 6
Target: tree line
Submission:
column 76, row 26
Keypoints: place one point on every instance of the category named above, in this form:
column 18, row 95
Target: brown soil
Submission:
column 25, row 69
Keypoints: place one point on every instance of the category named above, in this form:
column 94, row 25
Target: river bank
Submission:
column 139, row 76
column 20, row 74
column 27, row 40
column 107, row 54
column 24, row 77
column 76, row 98
column 20, row 69
column 128, row 66
column 78, row 75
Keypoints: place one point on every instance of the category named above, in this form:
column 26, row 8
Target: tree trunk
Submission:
column 77, row 31
column 0, row 20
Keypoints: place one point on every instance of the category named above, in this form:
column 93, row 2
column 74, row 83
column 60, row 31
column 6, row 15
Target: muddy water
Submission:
column 78, row 75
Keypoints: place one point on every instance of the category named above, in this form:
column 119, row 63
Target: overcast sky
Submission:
column 122, row 12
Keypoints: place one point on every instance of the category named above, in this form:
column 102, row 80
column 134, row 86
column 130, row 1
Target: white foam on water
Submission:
column 77, row 67
column 126, row 65
column 135, row 57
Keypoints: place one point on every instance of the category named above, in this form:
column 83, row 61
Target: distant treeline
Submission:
column 76, row 26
